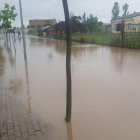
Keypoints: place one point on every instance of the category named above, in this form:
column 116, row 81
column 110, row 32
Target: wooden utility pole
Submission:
column 68, row 61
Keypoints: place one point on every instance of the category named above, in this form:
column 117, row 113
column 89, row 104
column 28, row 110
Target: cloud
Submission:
column 39, row 9
column 132, row 1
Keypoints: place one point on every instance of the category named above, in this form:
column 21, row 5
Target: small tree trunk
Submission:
column 68, row 61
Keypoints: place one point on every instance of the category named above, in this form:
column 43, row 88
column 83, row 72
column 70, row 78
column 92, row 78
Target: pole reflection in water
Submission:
column 27, row 85
column 49, row 43
column 13, row 43
column 10, row 41
column 19, row 39
column 69, row 130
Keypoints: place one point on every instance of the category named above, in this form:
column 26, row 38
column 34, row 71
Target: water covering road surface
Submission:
column 105, row 87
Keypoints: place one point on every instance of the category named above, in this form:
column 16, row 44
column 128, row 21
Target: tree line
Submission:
column 116, row 10
column 92, row 24
column 80, row 24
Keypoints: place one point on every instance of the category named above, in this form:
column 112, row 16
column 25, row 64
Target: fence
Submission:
column 131, row 35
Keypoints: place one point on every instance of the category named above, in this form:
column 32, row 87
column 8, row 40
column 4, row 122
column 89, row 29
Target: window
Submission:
column 32, row 26
column 129, row 26
column 119, row 27
column 44, row 26
column 38, row 26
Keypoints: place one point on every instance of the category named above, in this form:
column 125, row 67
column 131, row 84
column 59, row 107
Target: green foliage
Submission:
column 0, row 16
column 59, row 37
column 100, row 23
column 14, row 27
column 107, row 27
column 92, row 23
column 48, row 23
column 33, row 32
column 101, row 38
column 84, row 19
column 125, row 9
column 7, row 15
column 98, row 29
column 28, row 26
column 115, row 11
column 82, row 39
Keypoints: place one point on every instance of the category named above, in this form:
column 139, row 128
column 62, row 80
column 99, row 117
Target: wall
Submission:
column 135, row 27
column 116, row 22
column 37, row 22
column 41, row 22
column 137, row 20
column 126, row 22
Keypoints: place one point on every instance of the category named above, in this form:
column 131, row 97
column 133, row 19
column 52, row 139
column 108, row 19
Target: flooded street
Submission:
column 105, row 87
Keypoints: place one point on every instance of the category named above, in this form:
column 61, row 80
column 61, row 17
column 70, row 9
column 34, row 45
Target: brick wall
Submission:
column 39, row 23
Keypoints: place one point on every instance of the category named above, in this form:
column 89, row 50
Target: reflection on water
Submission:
column 11, row 56
column 27, row 85
column 105, row 87
column 69, row 130
column 2, row 62
column 15, row 85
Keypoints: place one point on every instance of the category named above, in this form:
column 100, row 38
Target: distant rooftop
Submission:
column 43, row 19
column 135, row 14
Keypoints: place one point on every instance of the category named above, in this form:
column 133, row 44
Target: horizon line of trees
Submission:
column 81, row 24
column 116, row 10
column 92, row 23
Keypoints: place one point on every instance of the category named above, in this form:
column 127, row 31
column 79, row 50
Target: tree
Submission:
column 14, row 27
column 100, row 23
column 61, row 26
column 68, row 61
column 75, row 23
column 48, row 23
column 92, row 23
column 28, row 26
column 107, row 27
column 0, row 16
column 115, row 11
column 84, row 19
column 125, row 9
column 7, row 15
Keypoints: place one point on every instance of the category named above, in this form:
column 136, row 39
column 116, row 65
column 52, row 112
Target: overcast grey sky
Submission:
column 39, row 9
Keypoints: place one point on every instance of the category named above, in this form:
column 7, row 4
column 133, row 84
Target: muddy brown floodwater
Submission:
column 105, row 87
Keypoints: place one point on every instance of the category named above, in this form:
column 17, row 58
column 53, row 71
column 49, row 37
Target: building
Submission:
column 40, row 23
column 131, row 23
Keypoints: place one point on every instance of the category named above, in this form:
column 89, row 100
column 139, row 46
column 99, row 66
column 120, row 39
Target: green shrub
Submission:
column 82, row 39
column 33, row 32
